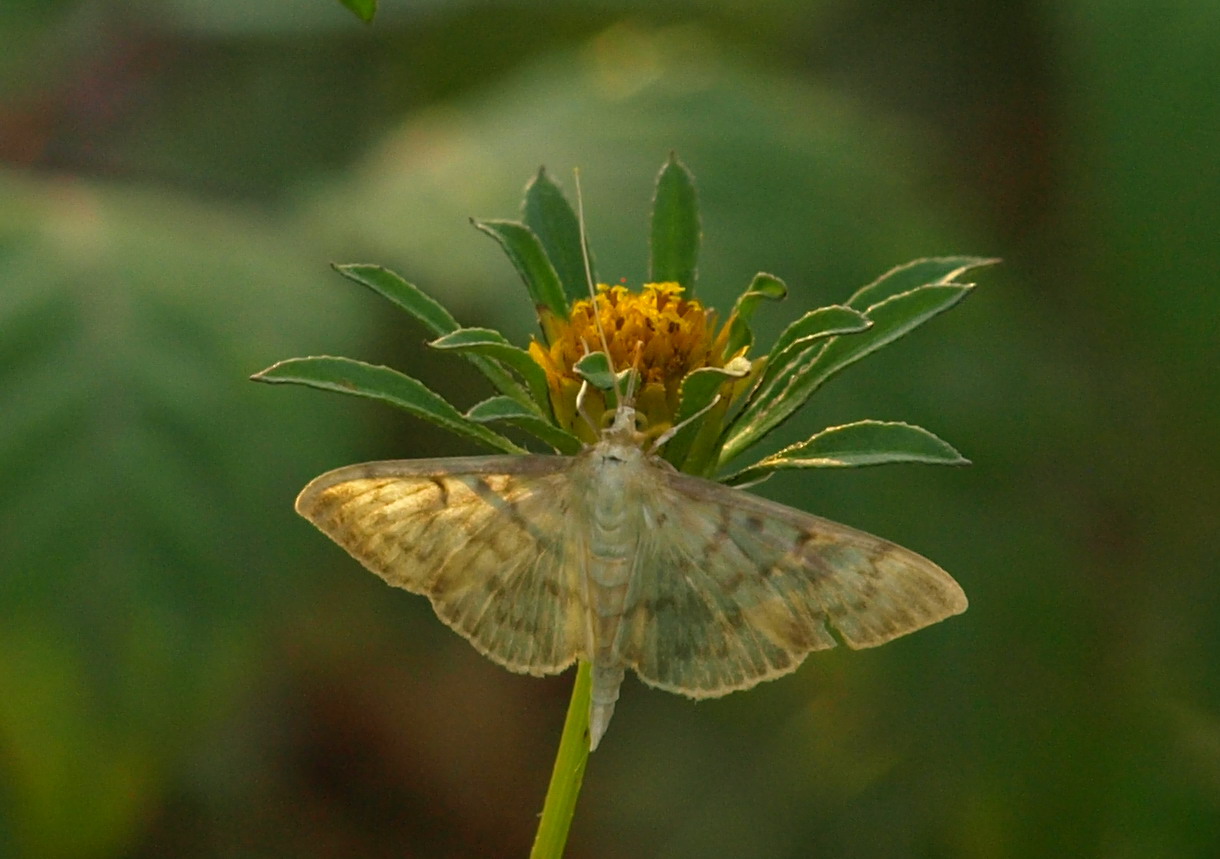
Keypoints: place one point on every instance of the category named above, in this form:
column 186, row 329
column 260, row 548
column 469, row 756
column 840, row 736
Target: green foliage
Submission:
column 809, row 369
column 431, row 315
column 763, row 286
column 549, row 215
column 804, row 333
column 493, row 345
column 348, row 376
column 675, row 227
column 860, row 443
column 698, row 393
column 806, row 354
column 430, row 312
column 595, row 369
column 531, row 262
column 509, row 411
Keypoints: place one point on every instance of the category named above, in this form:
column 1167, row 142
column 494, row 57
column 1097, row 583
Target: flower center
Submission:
column 656, row 331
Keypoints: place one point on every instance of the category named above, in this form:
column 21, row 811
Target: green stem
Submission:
column 568, row 773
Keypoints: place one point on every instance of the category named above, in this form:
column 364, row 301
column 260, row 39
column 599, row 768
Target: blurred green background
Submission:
column 189, row 669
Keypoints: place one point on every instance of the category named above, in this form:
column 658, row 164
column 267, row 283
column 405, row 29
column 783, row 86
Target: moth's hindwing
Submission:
column 730, row 589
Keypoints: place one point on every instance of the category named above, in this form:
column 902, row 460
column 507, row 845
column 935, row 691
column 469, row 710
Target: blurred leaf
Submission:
column 892, row 318
column 531, row 262
column 349, row 376
column 549, row 215
column 857, row 444
column 675, row 227
column 363, row 9
column 763, row 285
column 509, row 411
column 492, row 344
column 139, row 491
column 849, row 205
column 595, row 369
column 57, row 753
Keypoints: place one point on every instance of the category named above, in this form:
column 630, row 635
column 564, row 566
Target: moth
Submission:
column 614, row 557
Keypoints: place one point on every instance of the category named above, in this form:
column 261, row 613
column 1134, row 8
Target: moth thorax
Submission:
column 614, row 498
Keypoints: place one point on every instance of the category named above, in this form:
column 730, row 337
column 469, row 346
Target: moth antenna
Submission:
column 678, row 427
column 597, row 317
column 581, row 397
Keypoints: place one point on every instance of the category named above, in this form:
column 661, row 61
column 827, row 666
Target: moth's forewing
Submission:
column 486, row 539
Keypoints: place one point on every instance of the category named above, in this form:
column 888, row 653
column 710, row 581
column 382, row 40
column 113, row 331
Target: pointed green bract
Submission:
column 551, row 218
column 675, row 232
column 920, row 272
column 492, row 344
column 595, row 369
column 763, row 285
column 428, row 312
column 531, row 262
column 891, row 319
column 348, row 376
column 853, row 445
column 509, row 411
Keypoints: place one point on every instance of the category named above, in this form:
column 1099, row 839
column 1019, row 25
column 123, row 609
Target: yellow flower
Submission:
column 656, row 331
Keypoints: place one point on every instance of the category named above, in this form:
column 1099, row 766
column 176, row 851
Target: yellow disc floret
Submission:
column 656, row 331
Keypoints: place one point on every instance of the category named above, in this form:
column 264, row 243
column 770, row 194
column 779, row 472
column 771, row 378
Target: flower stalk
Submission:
column 568, row 774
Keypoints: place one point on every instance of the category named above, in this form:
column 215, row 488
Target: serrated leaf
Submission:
column 920, row 272
column 763, row 286
column 891, row 319
column 551, row 218
column 806, row 332
column 530, row 260
column 492, row 344
column 428, row 312
column 349, row 376
column 854, row 445
column 675, row 233
column 363, row 9
column 509, row 411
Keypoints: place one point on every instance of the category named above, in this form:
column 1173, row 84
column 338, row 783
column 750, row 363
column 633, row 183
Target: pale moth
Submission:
column 614, row 557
